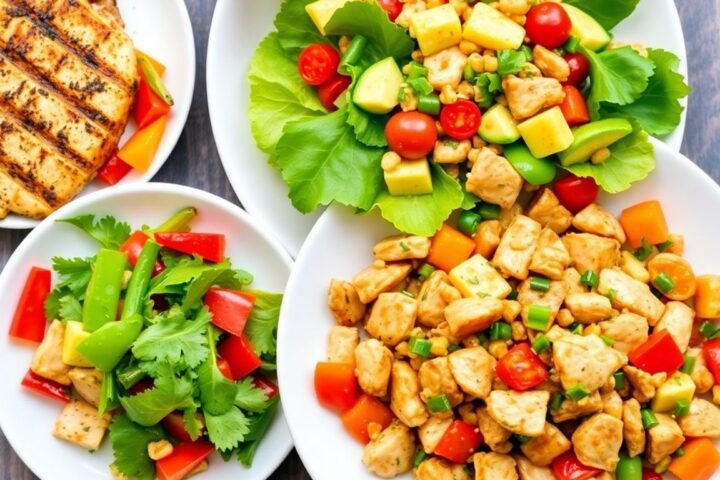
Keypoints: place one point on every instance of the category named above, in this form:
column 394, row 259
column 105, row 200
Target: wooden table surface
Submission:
column 195, row 161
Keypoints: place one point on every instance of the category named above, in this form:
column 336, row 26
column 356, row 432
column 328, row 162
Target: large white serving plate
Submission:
column 237, row 28
column 162, row 29
column 340, row 245
column 27, row 419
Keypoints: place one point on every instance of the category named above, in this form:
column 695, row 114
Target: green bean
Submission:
column 140, row 280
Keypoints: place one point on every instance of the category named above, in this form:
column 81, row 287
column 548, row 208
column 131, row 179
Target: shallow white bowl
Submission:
column 27, row 419
column 340, row 245
column 237, row 28
column 160, row 28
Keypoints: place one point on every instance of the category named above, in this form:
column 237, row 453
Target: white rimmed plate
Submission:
column 162, row 29
column 340, row 245
column 27, row 419
column 237, row 28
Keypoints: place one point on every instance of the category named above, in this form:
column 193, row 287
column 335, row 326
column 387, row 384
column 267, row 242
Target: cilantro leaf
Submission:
column 108, row 231
column 217, row 393
column 607, row 13
column 226, row 431
column 296, row 29
column 52, row 304
column 193, row 425
column 169, row 393
column 70, row 309
column 129, row 445
column 510, row 61
column 261, row 328
column 189, row 279
column 74, row 273
column 259, row 424
column 249, row 397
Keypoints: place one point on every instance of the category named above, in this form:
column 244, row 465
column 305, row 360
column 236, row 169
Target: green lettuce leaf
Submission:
column 129, row 444
column 607, row 13
column 296, row 29
column 369, row 128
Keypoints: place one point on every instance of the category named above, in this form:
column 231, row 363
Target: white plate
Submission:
column 340, row 245
column 27, row 419
column 162, row 29
column 237, row 28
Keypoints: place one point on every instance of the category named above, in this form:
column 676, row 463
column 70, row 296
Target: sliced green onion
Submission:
column 469, row 222
column 513, row 295
column 488, row 211
column 576, row 328
column 611, row 294
column 420, row 85
column 354, row 51
column 154, row 81
column 664, row 283
column 682, row 408
column 619, row 380
column 469, row 73
column 522, row 438
column 540, row 284
column 425, row 271
column 420, row 457
column 590, row 279
column 538, row 317
column 429, row 104
column 557, row 401
column 608, row 341
column 420, row 346
column 688, row 364
column 577, row 392
column 649, row 419
column 541, row 344
column 679, row 452
column 644, row 251
column 572, row 43
column 664, row 246
column 500, row 331
column 709, row 331
column 629, row 468
column 416, row 70
column 439, row 404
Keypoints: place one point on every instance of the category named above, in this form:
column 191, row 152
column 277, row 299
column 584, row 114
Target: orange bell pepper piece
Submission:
column 140, row 150
column 707, row 296
column 335, row 385
column 573, row 107
column 644, row 220
column 367, row 410
column 159, row 67
column 449, row 248
column 700, row 461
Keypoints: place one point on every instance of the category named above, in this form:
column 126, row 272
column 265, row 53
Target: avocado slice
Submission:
column 593, row 136
column 535, row 171
column 498, row 126
column 378, row 88
column 586, row 29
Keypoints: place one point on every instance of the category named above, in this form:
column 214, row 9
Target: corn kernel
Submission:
column 447, row 95
column 468, row 47
column 159, row 450
column 600, row 155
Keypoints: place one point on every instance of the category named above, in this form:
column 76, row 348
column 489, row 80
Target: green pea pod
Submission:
column 106, row 346
column 178, row 222
column 103, row 292
column 629, row 468
column 140, row 280
column 535, row 171
column 154, row 81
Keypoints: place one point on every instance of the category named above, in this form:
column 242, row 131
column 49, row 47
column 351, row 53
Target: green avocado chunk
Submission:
column 498, row 126
column 590, row 33
column 378, row 88
column 593, row 136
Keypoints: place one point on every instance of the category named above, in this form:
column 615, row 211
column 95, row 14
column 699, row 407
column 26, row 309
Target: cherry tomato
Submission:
column 411, row 135
column 576, row 193
column 548, row 25
column 520, row 368
column 392, row 7
column 573, row 107
column 461, row 119
column 318, row 63
column 648, row 474
column 332, row 89
column 579, row 69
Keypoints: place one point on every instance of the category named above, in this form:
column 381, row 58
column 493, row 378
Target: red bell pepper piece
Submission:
column 521, row 369
column 29, row 321
column 568, row 467
column 711, row 352
column 239, row 354
column 134, row 245
column 659, row 353
column 336, row 387
column 183, row 460
column 114, row 170
column 459, row 442
column 224, row 368
column 141, row 386
column 230, row 309
column 45, row 387
column 175, row 426
column 268, row 387
column 210, row 246
column 148, row 105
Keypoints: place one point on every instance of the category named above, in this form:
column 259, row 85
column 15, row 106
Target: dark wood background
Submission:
column 195, row 160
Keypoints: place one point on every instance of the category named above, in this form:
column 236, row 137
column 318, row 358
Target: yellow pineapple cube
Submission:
column 436, row 29
column 546, row 133
column 321, row 11
column 476, row 277
column 491, row 28
column 409, row 177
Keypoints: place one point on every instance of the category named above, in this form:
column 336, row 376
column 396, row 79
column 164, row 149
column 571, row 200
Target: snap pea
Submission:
column 178, row 222
column 103, row 291
column 354, row 51
column 140, row 280
column 535, row 171
column 629, row 468
column 106, row 346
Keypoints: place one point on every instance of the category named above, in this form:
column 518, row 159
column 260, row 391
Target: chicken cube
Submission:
column 405, row 399
column 494, row 180
column 392, row 318
column 435, row 294
column 585, row 360
column 545, row 209
column 495, row 435
column 597, row 441
column 644, row 385
column 701, row 376
column 678, row 320
column 439, row 469
column 373, row 281
column 626, row 330
column 553, row 298
column 597, row 220
column 508, row 215
column 612, row 403
column 87, row 383
column 550, row 63
column 551, row 258
column 470, row 315
column 530, row 471
column 663, row 439
column 476, row 277
column 630, row 294
column 543, row 449
column 528, row 96
column 520, row 412
column 81, row 424
column 473, row 369
column 431, row 432
column 517, row 246
column 341, row 344
column 633, row 430
column 345, row 303
column 373, row 364
column 445, row 68
column 436, row 379
column 391, row 453
column 591, row 252
column 402, row 247
column 487, row 238
column 47, row 361
column 702, row 421
column 570, row 409
column 494, row 466
column 589, row 307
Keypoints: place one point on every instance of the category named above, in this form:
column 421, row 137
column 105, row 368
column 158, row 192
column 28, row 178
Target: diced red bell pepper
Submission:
column 711, row 352
column 141, row 386
column 224, row 368
column 134, row 245
column 521, row 369
column 336, row 387
column 210, row 246
column 459, row 442
column 230, row 309
column 114, row 170
column 183, row 460
column 568, row 467
column 45, row 387
column 175, row 426
column 659, row 353
column 240, row 355
column 269, row 388
column 148, row 105
column 29, row 321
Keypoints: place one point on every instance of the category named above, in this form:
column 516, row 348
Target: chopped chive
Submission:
column 420, row 457
column 425, row 271
column 420, row 346
column 404, row 246
column 576, row 328
column 417, row 70
column 611, row 294
column 469, row 73
column 590, row 279
column 538, row 317
column 644, row 251
column 664, row 283
column 540, row 284
column 468, row 222
column 608, row 341
column 522, row 438
column 488, row 211
column 688, row 364
column 513, row 295
column 500, row 331
column 709, row 331
column 429, row 104
column 557, row 401
column 664, row 246
column 439, row 404
column 619, row 380
column 541, row 344
column 679, row 452
column 577, row 392
column 572, row 43
column 649, row 419
column 682, row 408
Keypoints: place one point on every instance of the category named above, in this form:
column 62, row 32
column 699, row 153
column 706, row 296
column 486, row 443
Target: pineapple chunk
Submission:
column 436, row 29
column 321, row 11
column 74, row 335
column 678, row 387
column 476, row 277
column 410, row 177
column 546, row 133
column 490, row 28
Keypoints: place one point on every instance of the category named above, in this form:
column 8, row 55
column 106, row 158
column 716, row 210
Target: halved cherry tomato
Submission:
column 548, row 24
column 113, row 170
column 573, row 107
column 329, row 91
column 520, row 368
column 318, row 63
column 648, row 474
column 392, row 7
column 210, row 246
column 411, row 135
column 459, row 442
column 579, row 69
column 659, row 353
column 461, row 120
column 576, row 193
column 29, row 322
column 336, row 387
column 568, row 467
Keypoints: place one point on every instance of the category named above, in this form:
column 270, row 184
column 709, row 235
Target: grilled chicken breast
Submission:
column 68, row 75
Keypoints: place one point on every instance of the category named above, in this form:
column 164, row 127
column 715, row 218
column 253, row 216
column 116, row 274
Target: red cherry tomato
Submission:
column 548, row 25
column 411, row 135
column 521, row 369
column 461, row 119
column 331, row 90
column 392, row 7
column 317, row 63
column 648, row 474
column 579, row 69
column 576, row 193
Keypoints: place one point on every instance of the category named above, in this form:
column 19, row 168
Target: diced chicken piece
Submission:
column 392, row 318
column 517, row 246
column 405, row 395
column 373, row 281
column 589, row 307
column 345, row 303
column 571, row 277
column 547, row 211
column 81, row 424
column 627, row 331
column 341, row 344
column 435, row 294
column 451, row 151
column 470, row 315
column 634, row 267
column 473, row 369
column 552, row 299
column 597, row 441
column 494, row 180
column 432, row 431
column 597, row 220
column 591, row 252
column 511, row 311
column 570, row 409
column 402, row 247
column 530, row 471
column 702, row 421
column 551, row 258
column 373, row 363
column 507, row 215
column 633, row 431
column 439, row 469
column 408, row 10
column 644, row 385
column 630, row 294
column 663, row 439
column 495, row 435
column 487, row 238
column 436, row 379
column 677, row 319
column 520, row 412
column 494, row 466
column 550, row 63
column 391, row 453
column 445, row 67
column 87, row 383
column 700, row 375
column 543, row 449
column 528, row 96
column 612, row 403
column 47, row 361
column 585, row 360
